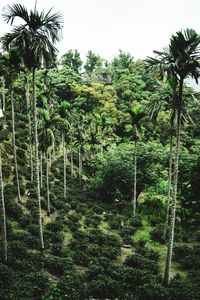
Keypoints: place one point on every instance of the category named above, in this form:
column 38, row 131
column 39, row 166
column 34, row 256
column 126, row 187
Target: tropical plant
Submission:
column 35, row 39
column 46, row 129
column 137, row 114
column 179, row 61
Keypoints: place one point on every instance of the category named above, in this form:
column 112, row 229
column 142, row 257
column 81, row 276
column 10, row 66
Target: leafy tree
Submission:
column 92, row 61
column 72, row 60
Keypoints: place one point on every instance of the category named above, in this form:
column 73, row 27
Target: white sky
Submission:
column 105, row 26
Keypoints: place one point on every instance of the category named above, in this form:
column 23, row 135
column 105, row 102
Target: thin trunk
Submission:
column 4, row 94
column 72, row 165
column 29, row 123
column 80, row 164
column 41, row 171
column 48, row 194
column 169, row 188
column 72, row 161
column 50, row 159
column 64, row 166
column 3, row 216
column 167, row 273
column 14, row 148
column 37, row 167
column 135, row 177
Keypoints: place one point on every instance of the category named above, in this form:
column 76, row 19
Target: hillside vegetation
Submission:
column 99, row 170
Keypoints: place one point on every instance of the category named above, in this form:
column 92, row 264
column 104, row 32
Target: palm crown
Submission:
column 35, row 37
column 182, row 57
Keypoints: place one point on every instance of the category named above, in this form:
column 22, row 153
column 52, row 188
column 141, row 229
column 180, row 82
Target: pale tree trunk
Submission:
column 50, row 159
column 29, row 123
column 4, row 94
column 135, row 176
column 80, row 163
column 72, row 161
column 167, row 273
column 41, row 171
column 3, row 216
column 14, row 148
column 37, row 167
column 169, row 188
column 48, row 193
column 72, row 165
column 64, row 166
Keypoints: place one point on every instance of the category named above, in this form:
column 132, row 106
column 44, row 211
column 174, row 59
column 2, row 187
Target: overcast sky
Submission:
column 105, row 26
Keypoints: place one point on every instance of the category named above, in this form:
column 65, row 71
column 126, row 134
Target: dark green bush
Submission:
column 140, row 262
column 157, row 234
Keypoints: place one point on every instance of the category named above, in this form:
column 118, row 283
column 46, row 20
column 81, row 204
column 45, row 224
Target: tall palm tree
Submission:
column 46, row 128
column 10, row 68
column 166, row 92
column 63, row 111
column 137, row 114
column 5, row 148
column 35, row 39
column 3, row 215
column 180, row 60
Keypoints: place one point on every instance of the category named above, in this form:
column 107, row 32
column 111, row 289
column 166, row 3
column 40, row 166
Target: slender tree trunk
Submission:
column 48, row 193
column 72, row 161
column 14, row 148
column 37, row 167
column 41, row 171
column 135, row 177
column 167, row 273
column 169, row 188
column 4, row 94
column 50, row 159
column 64, row 166
column 3, row 216
column 72, row 165
column 80, row 163
column 29, row 123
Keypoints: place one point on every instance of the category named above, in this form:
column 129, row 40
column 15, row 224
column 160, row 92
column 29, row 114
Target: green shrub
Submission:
column 69, row 287
column 157, row 234
column 57, row 265
column 140, row 262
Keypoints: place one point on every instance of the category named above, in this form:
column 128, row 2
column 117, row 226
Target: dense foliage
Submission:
column 99, row 124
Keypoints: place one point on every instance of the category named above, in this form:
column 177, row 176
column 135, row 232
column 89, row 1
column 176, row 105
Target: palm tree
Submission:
column 3, row 214
column 46, row 128
column 3, row 105
column 63, row 111
column 180, row 60
column 10, row 68
column 166, row 92
column 137, row 114
column 35, row 39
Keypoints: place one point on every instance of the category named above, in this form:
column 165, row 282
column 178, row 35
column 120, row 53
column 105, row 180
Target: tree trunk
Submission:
column 37, row 167
column 80, row 163
column 29, row 124
column 135, row 177
column 167, row 273
column 48, row 194
column 169, row 188
column 4, row 94
column 41, row 175
column 72, row 161
column 14, row 148
column 3, row 216
column 64, row 166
